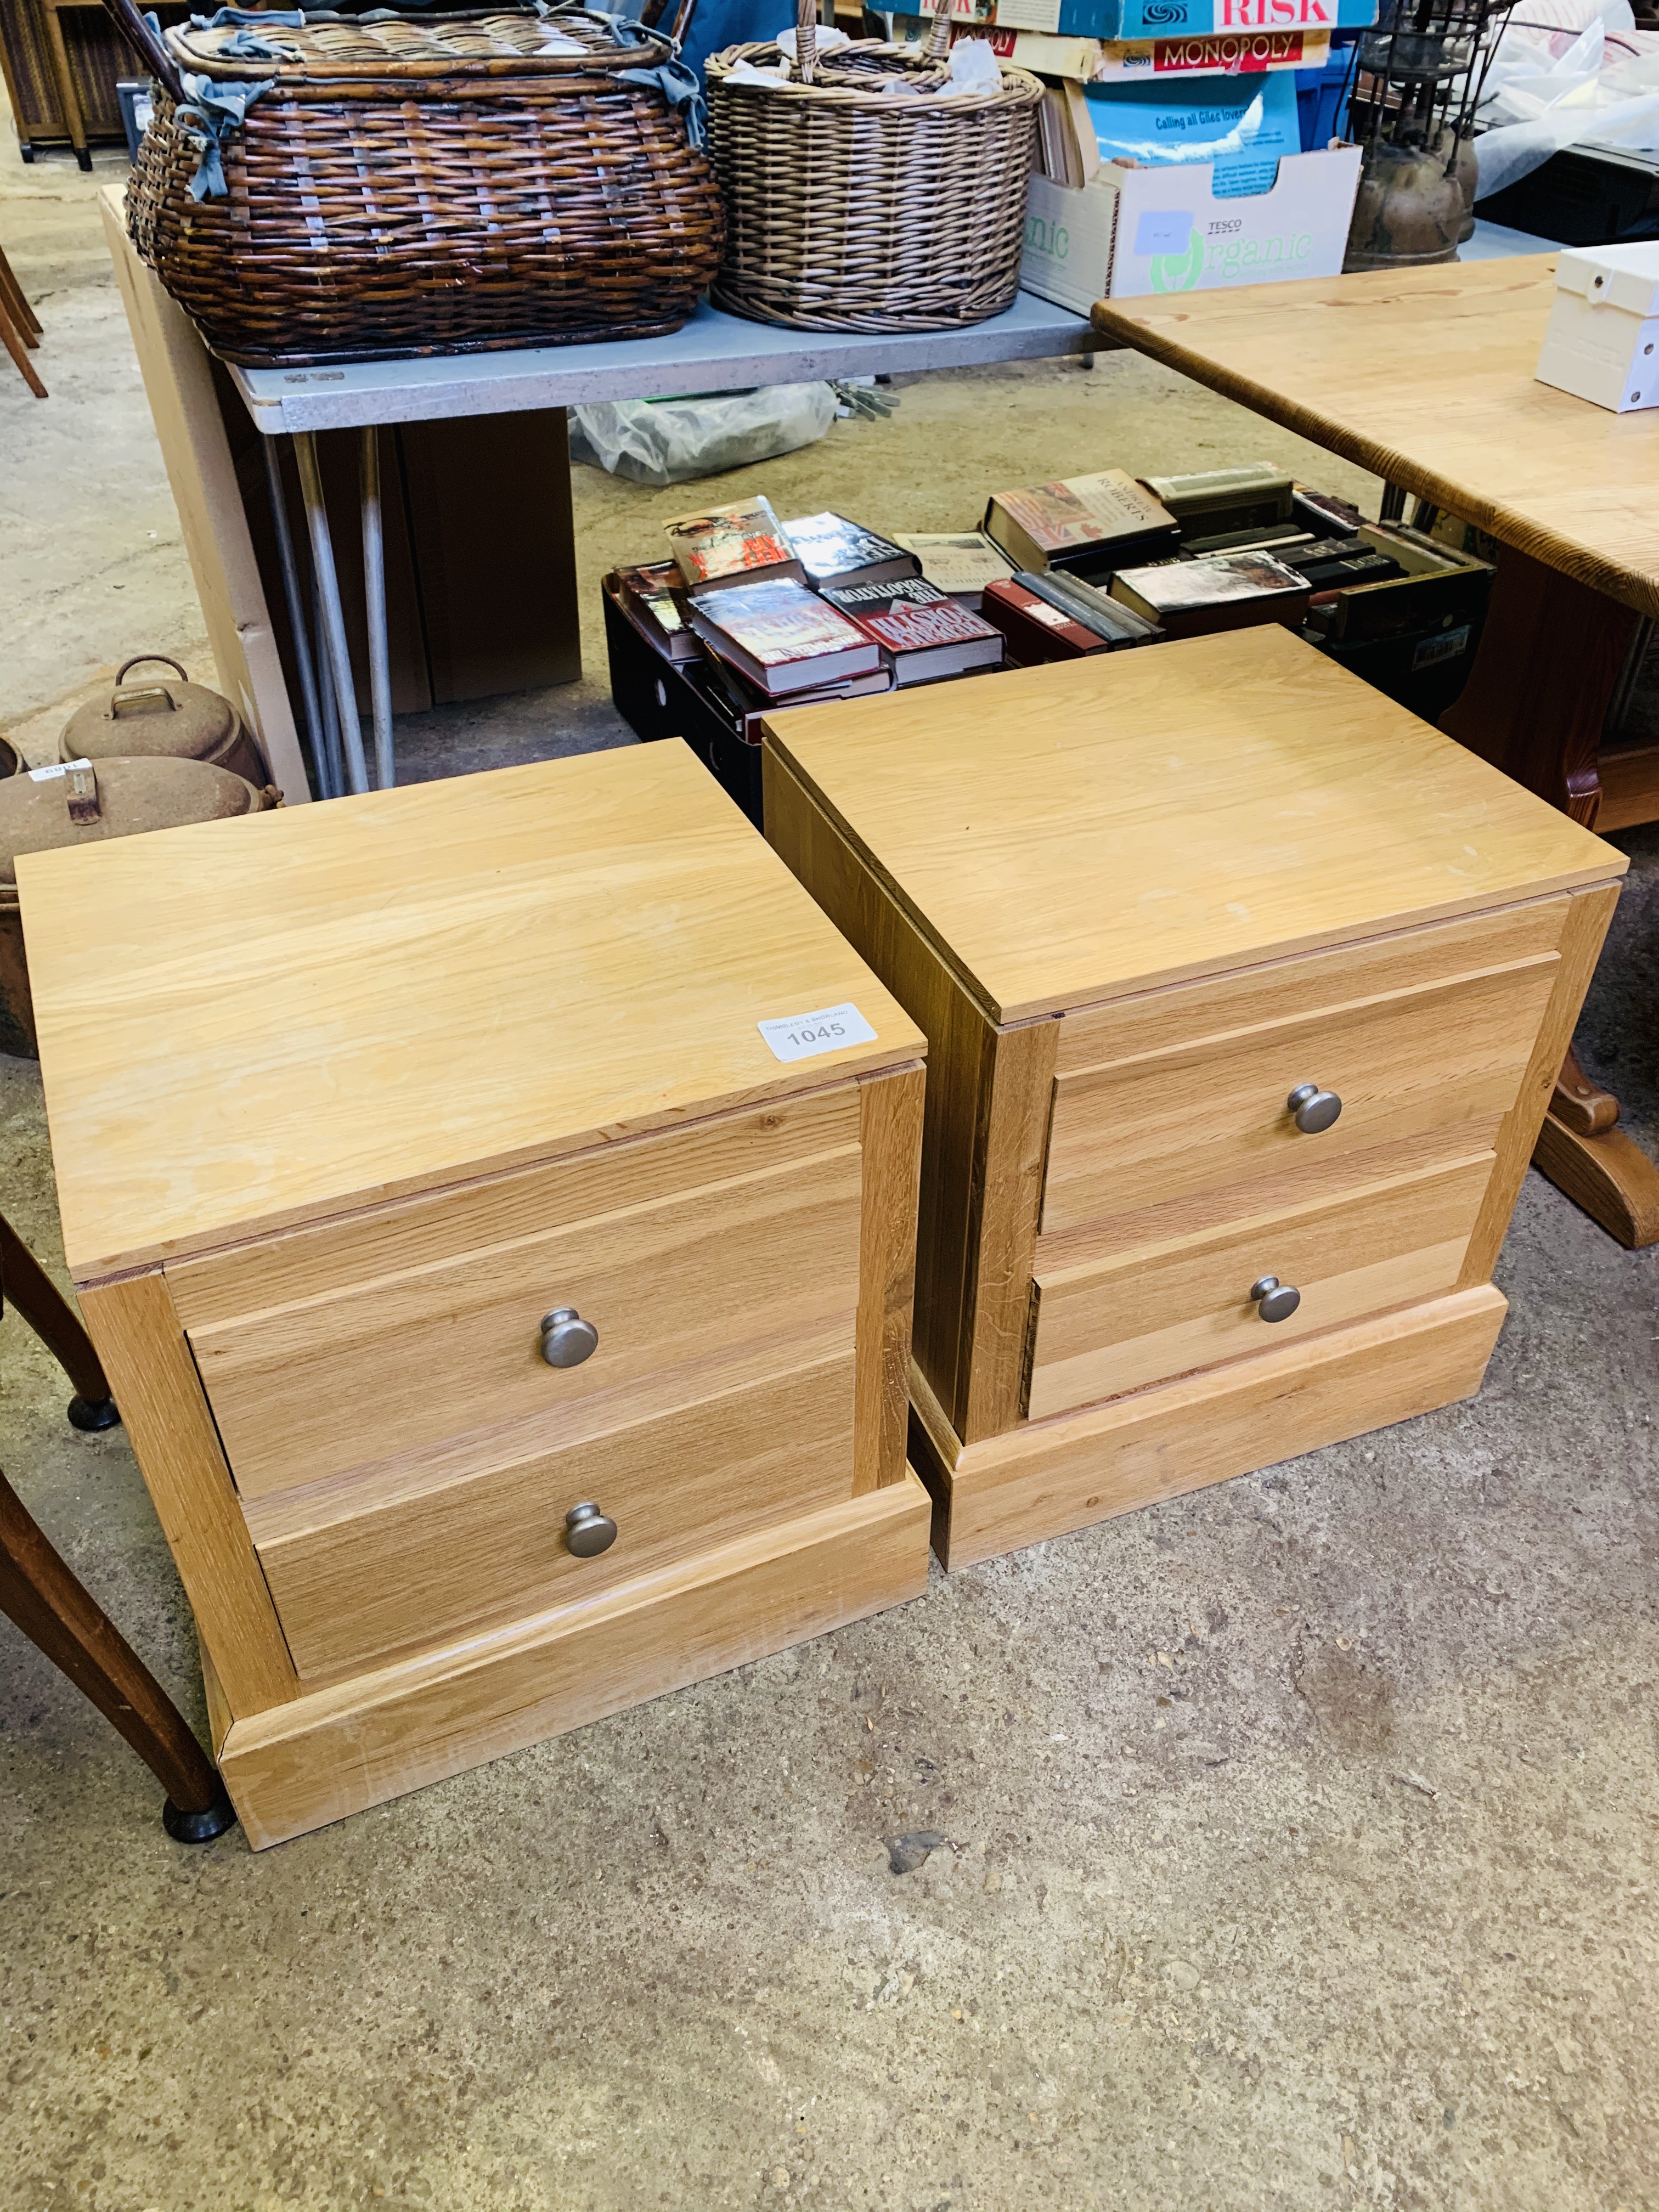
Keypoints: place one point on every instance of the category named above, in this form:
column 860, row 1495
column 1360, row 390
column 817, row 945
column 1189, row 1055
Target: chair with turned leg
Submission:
column 19, row 327
column 43, row 1598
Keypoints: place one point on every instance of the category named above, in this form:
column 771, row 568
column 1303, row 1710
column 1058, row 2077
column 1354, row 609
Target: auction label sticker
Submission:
column 58, row 767
column 802, row 1037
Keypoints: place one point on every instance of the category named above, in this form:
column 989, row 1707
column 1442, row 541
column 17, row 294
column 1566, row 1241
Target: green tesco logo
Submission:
column 1224, row 260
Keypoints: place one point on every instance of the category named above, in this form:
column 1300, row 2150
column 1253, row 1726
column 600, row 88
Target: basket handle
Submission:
column 807, row 39
column 938, row 38
column 149, row 47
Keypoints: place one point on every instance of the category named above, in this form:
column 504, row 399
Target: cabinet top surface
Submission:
column 251, row 1022
column 1092, row 828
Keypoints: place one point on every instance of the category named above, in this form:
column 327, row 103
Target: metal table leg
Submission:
column 296, row 618
column 334, row 630
column 380, row 656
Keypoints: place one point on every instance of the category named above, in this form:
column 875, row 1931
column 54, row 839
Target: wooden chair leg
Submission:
column 11, row 339
column 54, row 1321
column 11, row 296
column 39, row 1594
column 68, row 99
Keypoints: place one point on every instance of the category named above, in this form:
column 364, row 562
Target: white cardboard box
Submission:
column 1130, row 232
column 1602, row 342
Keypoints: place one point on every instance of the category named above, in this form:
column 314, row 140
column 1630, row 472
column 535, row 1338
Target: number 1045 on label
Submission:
column 830, row 1029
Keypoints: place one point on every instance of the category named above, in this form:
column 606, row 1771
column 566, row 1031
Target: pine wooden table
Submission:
column 1425, row 377
column 506, row 1330
column 1244, row 992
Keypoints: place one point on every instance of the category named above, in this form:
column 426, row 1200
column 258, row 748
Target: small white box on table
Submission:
column 1602, row 342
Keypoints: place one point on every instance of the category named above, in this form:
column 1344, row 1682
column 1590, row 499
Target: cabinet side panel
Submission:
column 960, row 1043
column 1011, row 1150
column 890, row 1119
column 1584, row 928
column 141, row 1345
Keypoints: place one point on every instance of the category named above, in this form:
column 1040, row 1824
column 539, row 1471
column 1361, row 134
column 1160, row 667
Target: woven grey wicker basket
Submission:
column 850, row 207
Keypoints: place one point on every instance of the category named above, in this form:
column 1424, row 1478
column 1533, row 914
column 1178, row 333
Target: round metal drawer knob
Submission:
column 588, row 1532
column 567, row 1339
column 1314, row 1109
column 1275, row 1301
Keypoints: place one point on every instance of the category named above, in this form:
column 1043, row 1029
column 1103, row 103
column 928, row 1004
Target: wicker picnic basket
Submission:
column 345, row 190
column 851, row 207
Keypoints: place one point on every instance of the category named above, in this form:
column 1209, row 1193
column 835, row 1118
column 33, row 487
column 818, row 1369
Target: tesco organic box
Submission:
column 1129, row 232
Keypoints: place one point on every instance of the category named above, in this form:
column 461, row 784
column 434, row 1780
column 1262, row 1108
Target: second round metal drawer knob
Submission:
column 1312, row 1108
column 1275, row 1301
column 588, row 1532
column 567, row 1339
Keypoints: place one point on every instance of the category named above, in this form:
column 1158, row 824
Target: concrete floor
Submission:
column 1301, row 1832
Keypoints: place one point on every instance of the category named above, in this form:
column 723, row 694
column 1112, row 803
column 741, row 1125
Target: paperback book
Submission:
column 960, row 562
column 833, row 551
column 782, row 637
column 652, row 597
column 922, row 632
column 1191, row 598
column 734, row 544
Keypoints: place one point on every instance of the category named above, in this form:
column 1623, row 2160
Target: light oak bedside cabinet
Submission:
column 1244, row 992
column 508, row 1331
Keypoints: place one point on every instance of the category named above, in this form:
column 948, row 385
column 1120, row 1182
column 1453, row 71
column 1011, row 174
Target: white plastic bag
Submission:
column 665, row 441
column 1548, row 89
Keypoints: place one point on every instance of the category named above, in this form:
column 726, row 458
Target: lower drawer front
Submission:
column 1140, row 1317
column 410, row 1556
column 735, row 1280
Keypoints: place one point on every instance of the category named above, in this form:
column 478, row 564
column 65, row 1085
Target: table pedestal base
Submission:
column 1535, row 706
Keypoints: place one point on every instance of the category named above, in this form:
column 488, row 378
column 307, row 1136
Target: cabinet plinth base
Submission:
column 356, row 1743
column 1048, row 1477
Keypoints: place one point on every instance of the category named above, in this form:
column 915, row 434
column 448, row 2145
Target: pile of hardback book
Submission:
column 750, row 614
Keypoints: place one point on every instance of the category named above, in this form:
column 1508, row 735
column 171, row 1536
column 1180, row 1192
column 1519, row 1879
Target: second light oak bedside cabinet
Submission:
column 1244, row 994
column 493, row 1202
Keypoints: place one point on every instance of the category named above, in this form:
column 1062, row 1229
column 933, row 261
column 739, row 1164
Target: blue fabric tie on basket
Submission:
column 208, row 115
column 681, row 87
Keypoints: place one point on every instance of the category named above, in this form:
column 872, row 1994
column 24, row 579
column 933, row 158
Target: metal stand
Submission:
column 333, row 777
column 300, row 629
column 380, row 657
column 333, row 614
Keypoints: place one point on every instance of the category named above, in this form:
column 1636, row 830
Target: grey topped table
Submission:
column 713, row 352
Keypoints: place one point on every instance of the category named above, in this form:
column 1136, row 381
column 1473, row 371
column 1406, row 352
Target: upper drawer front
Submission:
column 1110, row 1326
column 712, row 1287
column 1425, row 1071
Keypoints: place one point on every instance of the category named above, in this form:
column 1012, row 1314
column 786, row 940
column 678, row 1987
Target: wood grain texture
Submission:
column 177, row 377
column 961, row 1057
column 1051, row 1476
column 1120, row 1324
column 1445, row 1061
column 413, row 1233
column 1629, row 787
column 1162, row 1020
column 380, row 1734
column 1471, row 429
column 1584, row 926
column 1140, row 819
column 891, row 1122
column 356, row 1578
column 1010, row 1153
column 421, row 984
column 1544, row 673
column 1611, row 1177
column 166, row 1415
column 764, row 1267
